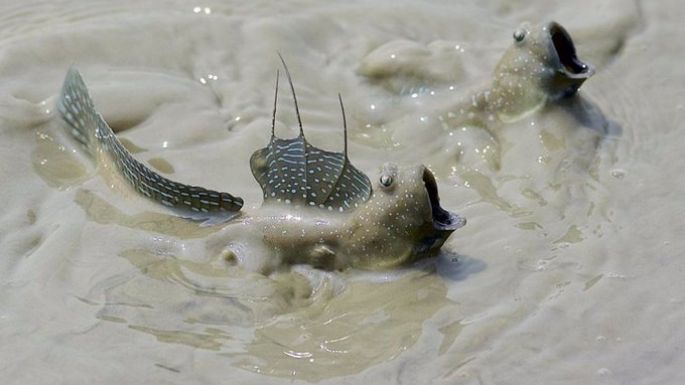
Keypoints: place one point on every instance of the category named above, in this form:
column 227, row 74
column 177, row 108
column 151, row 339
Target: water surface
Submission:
column 568, row 272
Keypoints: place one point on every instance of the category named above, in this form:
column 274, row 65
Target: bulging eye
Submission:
column 519, row 34
column 386, row 180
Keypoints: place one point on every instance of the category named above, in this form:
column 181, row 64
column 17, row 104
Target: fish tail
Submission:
column 77, row 110
column 89, row 128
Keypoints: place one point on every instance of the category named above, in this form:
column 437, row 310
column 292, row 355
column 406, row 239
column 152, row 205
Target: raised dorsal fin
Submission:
column 292, row 171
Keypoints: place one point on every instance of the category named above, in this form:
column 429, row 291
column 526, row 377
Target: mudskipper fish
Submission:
column 541, row 66
column 317, row 207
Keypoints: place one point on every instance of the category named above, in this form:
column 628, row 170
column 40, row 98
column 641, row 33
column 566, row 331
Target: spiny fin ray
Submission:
column 295, row 172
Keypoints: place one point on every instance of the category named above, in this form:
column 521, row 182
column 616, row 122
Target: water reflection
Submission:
column 55, row 163
column 367, row 324
column 290, row 325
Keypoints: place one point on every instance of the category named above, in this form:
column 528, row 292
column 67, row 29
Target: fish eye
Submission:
column 519, row 34
column 386, row 180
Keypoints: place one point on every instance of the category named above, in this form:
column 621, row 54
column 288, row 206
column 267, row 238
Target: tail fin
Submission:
column 76, row 108
column 89, row 128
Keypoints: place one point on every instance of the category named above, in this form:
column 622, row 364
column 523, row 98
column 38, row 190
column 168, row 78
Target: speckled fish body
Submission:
column 400, row 222
column 540, row 66
column 318, row 208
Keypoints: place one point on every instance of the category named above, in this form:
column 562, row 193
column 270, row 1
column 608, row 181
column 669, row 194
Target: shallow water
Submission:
column 569, row 270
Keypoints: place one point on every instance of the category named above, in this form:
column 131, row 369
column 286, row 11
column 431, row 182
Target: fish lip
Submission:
column 443, row 220
column 565, row 50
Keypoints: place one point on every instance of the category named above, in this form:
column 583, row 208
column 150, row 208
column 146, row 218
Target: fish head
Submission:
column 540, row 65
column 402, row 221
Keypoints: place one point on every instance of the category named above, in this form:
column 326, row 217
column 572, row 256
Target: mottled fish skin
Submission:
column 89, row 128
column 402, row 219
column 541, row 65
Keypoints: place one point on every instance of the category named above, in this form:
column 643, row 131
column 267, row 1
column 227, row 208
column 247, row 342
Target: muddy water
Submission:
column 569, row 270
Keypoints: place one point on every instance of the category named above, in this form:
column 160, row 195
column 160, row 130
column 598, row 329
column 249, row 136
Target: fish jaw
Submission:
column 571, row 71
column 444, row 222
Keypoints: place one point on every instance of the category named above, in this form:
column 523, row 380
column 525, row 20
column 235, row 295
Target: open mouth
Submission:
column 442, row 219
column 566, row 51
